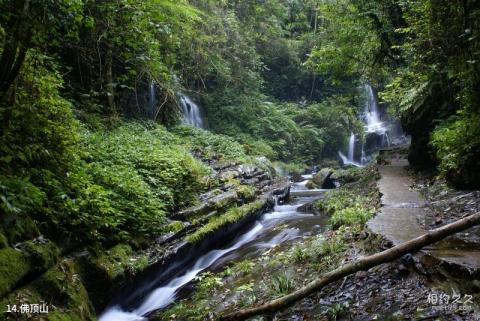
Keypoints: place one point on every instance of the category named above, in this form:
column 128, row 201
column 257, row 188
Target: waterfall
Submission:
column 191, row 112
column 351, row 147
column 363, row 159
column 379, row 133
column 152, row 96
column 371, row 114
column 350, row 159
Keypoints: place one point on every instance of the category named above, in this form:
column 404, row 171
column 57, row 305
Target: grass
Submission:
column 281, row 284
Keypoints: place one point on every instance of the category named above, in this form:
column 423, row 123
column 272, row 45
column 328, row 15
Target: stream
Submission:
column 278, row 227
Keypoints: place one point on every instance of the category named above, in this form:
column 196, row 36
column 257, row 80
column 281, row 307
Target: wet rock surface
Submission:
column 448, row 205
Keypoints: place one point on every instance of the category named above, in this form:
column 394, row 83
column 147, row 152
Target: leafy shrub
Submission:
column 209, row 145
column 356, row 214
column 172, row 174
column 457, row 143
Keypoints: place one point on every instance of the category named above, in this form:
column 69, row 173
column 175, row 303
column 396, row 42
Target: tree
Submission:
column 26, row 24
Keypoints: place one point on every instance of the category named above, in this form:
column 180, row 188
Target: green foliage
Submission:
column 37, row 150
column 349, row 42
column 172, row 174
column 295, row 133
column 457, row 143
column 300, row 254
column 207, row 282
column 335, row 311
column 281, row 284
column 208, row 145
column 101, row 185
column 353, row 215
column 332, row 246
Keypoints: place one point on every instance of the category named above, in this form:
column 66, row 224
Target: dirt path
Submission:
column 403, row 212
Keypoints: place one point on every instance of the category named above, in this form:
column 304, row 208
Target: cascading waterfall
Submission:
column 372, row 117
column 363, row 159
column 191, row 112
column 351, row 147
column 350, row 159
column 152, row 98
column 379, row 132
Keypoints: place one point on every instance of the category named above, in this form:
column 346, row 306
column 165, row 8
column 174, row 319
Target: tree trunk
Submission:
column 109, row 79
column 362, row 264
column 17, row 39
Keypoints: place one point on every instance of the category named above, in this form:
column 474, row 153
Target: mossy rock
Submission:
column 230, row 217
column 61, row 289
column 322, row 178
column 106, row 270
column 42, row 255
column 246, row 192
column 30, row 259
column 14, row 266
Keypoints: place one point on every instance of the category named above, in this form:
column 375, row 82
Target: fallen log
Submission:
column 362, row 264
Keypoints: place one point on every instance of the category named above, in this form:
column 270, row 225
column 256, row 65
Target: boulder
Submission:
column 27, row 260
column 296, row 178
column 310, row 185
column 217, row 202
column 322, row 178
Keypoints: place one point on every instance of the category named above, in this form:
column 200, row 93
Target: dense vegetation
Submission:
column 88, row 158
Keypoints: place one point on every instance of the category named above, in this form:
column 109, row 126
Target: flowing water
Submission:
column 264, row 234
column 351, row 147
column 350, row 159
column 192, row 114
column 371, row 114
column 385, row 132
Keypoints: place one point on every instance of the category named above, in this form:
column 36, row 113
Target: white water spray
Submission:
column 191, row 112
column 372, row 117
column 351, row 148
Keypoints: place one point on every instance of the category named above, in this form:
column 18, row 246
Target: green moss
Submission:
column 13, row 268
column 105, row 270
column 246, row 192
column 114, row 261
column 231, row 216
column 43, row 256
column 61, row 289
column 30, row 259
column 175, row 226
